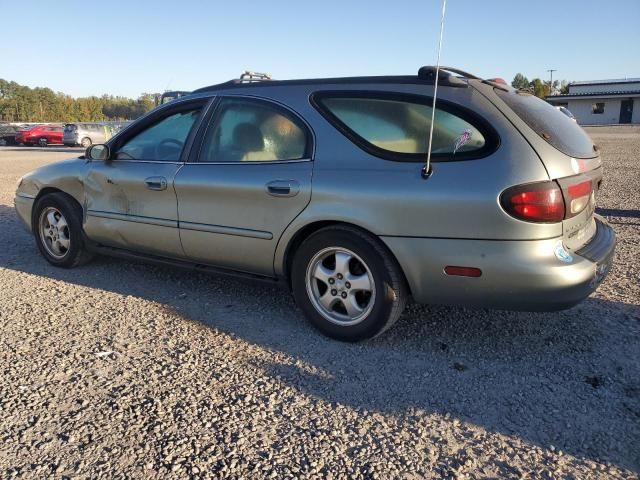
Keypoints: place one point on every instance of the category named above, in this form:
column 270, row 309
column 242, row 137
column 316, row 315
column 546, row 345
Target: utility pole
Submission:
column 551, row 70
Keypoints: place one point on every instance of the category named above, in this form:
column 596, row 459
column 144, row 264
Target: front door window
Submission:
column 161, row 142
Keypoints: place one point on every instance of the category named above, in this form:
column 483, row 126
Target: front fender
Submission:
column 66, row 176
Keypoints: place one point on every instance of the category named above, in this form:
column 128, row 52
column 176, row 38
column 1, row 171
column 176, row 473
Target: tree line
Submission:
column 19, row 103
column 539, row 87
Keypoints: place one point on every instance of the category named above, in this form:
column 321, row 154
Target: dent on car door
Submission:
column 252, row 178
column 130, row 200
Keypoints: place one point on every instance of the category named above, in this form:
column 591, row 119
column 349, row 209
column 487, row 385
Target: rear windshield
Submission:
column 552, row 125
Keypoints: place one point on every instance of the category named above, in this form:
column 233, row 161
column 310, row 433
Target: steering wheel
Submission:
column 165, row 149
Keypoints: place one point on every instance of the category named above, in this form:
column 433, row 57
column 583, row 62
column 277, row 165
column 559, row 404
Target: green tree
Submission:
column 520, row 82
column 19, row 103
column 539, row 88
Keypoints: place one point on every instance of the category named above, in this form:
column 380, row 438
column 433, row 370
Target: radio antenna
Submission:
column 426, row 169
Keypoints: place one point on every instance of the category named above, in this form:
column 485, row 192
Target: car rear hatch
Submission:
column 70, row 130
column 566, row 151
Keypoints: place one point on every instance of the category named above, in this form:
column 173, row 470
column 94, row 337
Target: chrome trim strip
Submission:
column 25, row 195
column 255, row 162
column 161, row 222
column 240, row 232
column 130, row 160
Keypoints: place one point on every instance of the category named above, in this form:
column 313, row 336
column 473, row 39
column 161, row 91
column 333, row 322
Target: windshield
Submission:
column 550, row 123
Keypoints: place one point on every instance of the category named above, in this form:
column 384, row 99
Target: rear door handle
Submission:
column 156, row 183
column 283, row 188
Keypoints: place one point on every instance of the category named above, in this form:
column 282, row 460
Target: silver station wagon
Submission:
column 320, row 185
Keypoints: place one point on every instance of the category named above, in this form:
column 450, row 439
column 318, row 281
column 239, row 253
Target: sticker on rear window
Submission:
column 562, row 254
column 464, row 137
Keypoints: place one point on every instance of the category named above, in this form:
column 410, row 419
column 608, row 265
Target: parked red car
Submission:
column 42, row 135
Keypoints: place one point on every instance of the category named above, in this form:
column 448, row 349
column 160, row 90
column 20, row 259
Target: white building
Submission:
column 602, row 102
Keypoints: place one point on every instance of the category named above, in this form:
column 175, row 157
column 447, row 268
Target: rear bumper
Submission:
column 70, row 141
column 516, row 275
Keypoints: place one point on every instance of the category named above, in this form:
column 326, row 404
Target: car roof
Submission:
column 425, row 76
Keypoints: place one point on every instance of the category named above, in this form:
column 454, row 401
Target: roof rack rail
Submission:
column 445, row 76
column 247, row 76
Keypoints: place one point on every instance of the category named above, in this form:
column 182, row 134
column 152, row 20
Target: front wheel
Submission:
column 347, row 284
column 42, row 142
column 85, row 142
column 58, row 230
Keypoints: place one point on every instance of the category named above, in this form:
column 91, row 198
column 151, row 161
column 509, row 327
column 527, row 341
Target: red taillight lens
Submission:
column 535, row 202
column 579, row 196
column 580, row 189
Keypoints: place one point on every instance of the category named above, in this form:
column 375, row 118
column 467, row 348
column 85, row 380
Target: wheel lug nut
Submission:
column 347, row 284
column 332, row 281
column 339, row 276
column 343, row 294
column 334, row 292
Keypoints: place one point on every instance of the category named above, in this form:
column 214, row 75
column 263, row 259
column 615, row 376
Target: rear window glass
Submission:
column 552, row 125
column 396, row 127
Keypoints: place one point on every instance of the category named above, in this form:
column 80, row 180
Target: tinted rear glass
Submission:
column 550, row 123
column 396, row 126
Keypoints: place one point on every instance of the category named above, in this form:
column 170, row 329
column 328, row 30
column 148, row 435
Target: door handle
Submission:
column 283, row 188
column 156, row 183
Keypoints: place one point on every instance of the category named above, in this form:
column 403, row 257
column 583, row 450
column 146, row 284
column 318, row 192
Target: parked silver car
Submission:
column 320, row 185
column 85, row 134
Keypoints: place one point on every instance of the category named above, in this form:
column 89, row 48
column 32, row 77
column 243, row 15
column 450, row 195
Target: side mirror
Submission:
column 98, row 151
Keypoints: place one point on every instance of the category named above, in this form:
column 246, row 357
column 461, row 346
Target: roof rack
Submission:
column 429, row 71
column 449, row 77
column 445, row 76
column 247, row 76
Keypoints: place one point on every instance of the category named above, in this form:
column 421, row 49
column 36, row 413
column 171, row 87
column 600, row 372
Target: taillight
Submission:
column 578, row 196
column 534, row 202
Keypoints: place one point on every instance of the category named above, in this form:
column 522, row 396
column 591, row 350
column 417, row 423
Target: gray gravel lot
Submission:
column 211, row 376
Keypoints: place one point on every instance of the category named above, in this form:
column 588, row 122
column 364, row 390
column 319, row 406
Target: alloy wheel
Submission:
column 54, row 232
column 340, row 286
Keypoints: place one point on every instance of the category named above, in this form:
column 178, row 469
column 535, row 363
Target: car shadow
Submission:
column 551, row 379
column 619, row 212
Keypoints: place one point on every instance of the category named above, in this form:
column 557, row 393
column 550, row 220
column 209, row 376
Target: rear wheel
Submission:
column 347, row 284
column 57, row 229
column 85, row 142
column 42, row 142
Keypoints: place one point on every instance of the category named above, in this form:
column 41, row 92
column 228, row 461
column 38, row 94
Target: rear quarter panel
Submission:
column 388, row 198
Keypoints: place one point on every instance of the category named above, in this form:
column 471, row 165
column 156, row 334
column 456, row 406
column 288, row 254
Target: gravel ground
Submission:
column 124, row 370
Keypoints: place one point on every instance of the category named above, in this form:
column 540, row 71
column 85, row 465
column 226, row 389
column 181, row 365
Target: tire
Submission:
column 361, row 258
column 68, row 229
column 85, row 142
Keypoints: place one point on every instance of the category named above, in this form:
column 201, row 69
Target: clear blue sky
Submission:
column 125, row 48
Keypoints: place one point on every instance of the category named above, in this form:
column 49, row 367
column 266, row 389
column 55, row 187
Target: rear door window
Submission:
column 549, row 123
column 251, row 130
column 396, row 126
